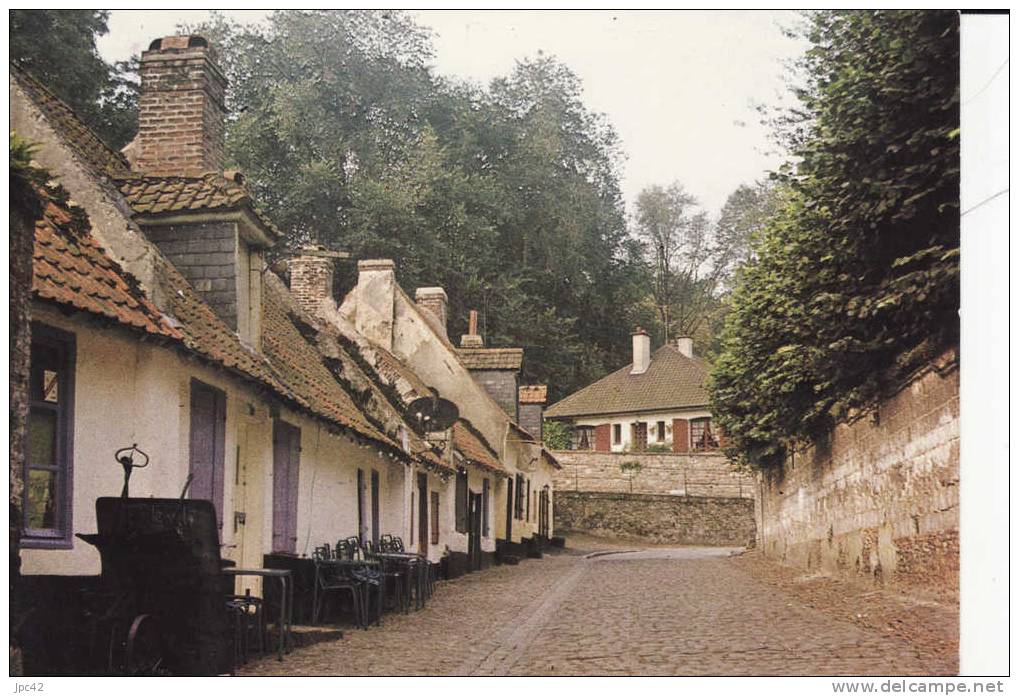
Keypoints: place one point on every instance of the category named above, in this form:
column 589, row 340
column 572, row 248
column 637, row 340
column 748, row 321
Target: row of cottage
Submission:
column 157, row 322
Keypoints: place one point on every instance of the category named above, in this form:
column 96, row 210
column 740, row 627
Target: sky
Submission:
column 680, row 87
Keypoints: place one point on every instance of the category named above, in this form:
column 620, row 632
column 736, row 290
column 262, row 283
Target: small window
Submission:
column 661, row 431
column 584, row 437
column 528, row 500
column 617, row 434
column 46, row 500
column 435, row 518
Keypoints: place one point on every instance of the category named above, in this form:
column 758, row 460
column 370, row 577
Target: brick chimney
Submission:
column 181, row 110
column 641, row 352
column 434, row 301
column 472, row 339
column 311, row 278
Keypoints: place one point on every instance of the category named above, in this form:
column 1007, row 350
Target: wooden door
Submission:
column 286, row 453
column 207, row 444
column 375, row 508
column 474, row 530
column 509, row 509
column 423, row 513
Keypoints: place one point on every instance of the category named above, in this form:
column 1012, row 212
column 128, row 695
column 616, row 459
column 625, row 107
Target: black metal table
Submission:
column 286, row 598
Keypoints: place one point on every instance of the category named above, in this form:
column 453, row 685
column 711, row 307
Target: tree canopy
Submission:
column 59, row 48
column 854, row 281
column 507, row 196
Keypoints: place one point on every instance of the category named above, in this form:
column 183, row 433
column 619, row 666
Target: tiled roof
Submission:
column 71, row 269
column 533, row 394
column 156, row 195
column 491, row 358
column 474, row 450
column 671, row 381
column 299, row 367
column 85, row 143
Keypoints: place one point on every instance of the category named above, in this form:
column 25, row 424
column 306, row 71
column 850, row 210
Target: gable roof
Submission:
column 491, row 358
column 70, row 268
column 79, row 137
column 672, row 381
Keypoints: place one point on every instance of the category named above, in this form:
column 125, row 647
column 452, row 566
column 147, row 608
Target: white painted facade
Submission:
column 624, row 421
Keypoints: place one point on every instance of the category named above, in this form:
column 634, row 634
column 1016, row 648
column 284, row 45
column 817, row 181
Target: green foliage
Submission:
column 855, row 280
column 58, row 47
column 631, row 468
column 555, row 435
column 506, row 196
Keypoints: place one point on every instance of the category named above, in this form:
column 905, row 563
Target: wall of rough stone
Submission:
column 673, row 519
column 880, row 499
column 666, row 474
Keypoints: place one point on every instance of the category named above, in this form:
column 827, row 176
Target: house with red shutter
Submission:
column 657, row 403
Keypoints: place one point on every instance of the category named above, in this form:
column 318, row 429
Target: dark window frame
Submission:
column 485, row 502
column 708, row 439
column 62, row 537
column 435, row 518
column 660, row 437
column 617, row 433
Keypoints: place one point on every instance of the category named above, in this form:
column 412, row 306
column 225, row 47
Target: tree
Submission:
column 508, row 196
column 855, row 277
column 58, row 47
column 690, row 259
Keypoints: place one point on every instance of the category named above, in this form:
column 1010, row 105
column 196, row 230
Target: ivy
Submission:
column 855, row 278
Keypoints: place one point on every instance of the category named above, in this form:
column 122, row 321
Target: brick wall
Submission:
column 501, row 386
column 880, row 499
column 666, row 474
column 699, row 521
column 311, row 281
column 206, row 255
column 181, row 109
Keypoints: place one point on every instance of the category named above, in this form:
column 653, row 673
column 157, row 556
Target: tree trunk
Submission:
column 23, row 213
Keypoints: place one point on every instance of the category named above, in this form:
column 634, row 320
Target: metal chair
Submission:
column 330, row 577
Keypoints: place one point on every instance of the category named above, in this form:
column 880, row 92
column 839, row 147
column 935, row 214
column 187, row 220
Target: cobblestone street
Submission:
column 657, row 611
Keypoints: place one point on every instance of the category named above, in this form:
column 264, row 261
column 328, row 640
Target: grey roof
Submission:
column 672, row 381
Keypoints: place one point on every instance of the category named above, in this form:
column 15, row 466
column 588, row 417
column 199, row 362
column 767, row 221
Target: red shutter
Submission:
column 720, row 434
column 680, row 435
column 601, row 438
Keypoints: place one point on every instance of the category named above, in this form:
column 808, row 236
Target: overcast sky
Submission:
column 680, row 87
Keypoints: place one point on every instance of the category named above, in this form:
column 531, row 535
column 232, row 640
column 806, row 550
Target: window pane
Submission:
column 40, row 499
column 42, row 438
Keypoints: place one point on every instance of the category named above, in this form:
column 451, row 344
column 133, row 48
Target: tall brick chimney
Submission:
column 181, row 110
column 435, row 301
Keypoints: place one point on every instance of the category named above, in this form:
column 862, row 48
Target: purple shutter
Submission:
column 207, row 445
column 286, row 442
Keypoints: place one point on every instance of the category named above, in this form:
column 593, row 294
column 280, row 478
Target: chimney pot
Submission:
column 641, row 352
column 472, row 339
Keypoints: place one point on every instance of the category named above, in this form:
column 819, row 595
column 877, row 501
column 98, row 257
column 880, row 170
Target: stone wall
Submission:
column 672, row 519
column 666, row 474
column 530, row 418
column 880, row 499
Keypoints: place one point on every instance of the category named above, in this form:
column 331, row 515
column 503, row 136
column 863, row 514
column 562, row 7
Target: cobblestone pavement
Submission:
column 654, row 611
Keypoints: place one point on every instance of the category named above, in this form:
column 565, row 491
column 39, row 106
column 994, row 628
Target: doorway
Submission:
column 509, row 510
column 423, row 514
column 375, row 508
column 474, row 530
